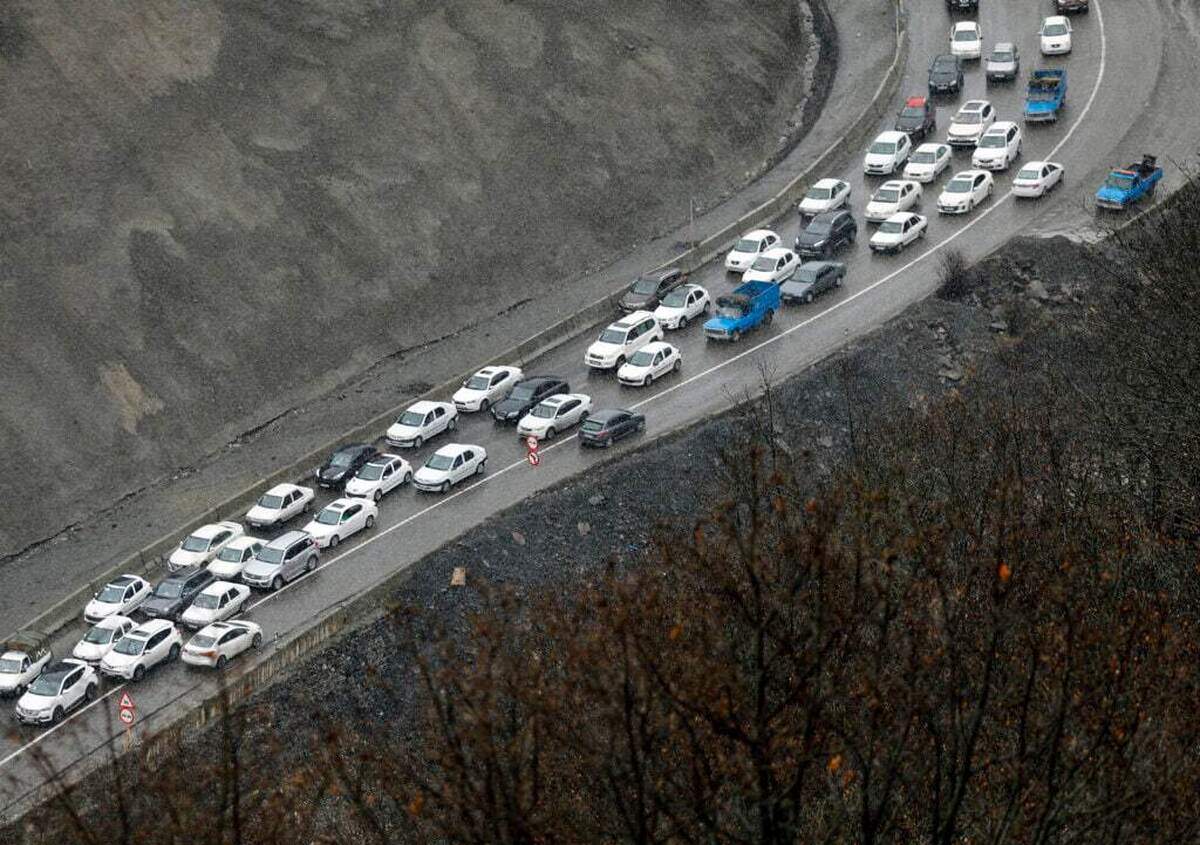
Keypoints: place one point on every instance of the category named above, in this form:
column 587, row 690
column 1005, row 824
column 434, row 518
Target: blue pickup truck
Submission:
column 1125, row 186
column 1045, row 95
column 749, row 306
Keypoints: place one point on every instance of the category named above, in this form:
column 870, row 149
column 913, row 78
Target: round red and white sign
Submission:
column 125, row 715
column 534, row 459
column 531, row 443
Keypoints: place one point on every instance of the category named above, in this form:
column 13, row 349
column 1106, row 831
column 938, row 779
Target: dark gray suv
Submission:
column 285, row 558
column 175, row 592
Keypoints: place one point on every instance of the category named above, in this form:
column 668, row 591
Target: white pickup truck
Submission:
column 25, row 655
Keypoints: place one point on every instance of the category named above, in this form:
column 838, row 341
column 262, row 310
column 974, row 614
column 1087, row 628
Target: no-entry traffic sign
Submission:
column 531, row 443
column 125, row 715
column 534, row 459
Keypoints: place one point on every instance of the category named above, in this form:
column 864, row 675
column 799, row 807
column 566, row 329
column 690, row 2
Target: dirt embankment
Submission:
column 212, row 211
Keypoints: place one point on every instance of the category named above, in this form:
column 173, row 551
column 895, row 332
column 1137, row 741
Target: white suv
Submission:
column 999, row 147
column 141, row 650
column 621, row 339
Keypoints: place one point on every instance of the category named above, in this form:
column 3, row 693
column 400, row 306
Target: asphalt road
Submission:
column 1121, row 81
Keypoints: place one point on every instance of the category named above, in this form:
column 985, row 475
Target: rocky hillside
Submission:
column 213, row 210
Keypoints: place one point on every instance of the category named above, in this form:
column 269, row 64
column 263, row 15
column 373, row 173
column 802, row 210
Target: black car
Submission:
column 946, row 74
column 605, row 427
column 648, row 289
column 1065, row 6
column 962, row 5
column 527, row 393
column 811, row 280
column 175, row 592
column 918, row 118
column 826, row 234
column 344, row 463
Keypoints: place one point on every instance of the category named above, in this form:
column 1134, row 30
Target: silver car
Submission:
column 285, row 558
column 1004, row 63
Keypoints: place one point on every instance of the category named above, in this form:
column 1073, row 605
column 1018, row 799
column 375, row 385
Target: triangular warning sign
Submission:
column 126, row 703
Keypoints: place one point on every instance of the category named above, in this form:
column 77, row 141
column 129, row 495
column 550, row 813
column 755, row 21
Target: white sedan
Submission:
column 774, row 265
column 380, row 476
column 340, row 519
column 966, row 40
column 486, row 387
column 556, row 414
column 232, row 559
column 825, row 195
column 219, row 600
column 749, row 247
column 101, row 637
column 279, row 504
column 892, row 197
column 1055, row 36
column 1036, row 178
column 203, row 544
column 449, row 465
column 648, row 363
column 62, row 686
column 142, row 649
column 422, row 421
column 898, row 231
column 682, row 305
column 887, row 153
column 215, row 645
column 964, row 191
column 927, row 162
column 119, row 597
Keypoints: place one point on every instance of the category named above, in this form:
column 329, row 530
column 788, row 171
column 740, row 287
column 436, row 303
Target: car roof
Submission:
column 149, row 628
column 971, row 25
column 829, row 216
column 827, row 182
column 288, row 538
column 999, row 127
column 353, row 447
column 632, row 319
column 819, row 265
column 243, row 542
column 282, row 488
column 111, row 622
column 931, row 147
column 974, row 105
column 207, row 531
column 776, row 252
column 901, row 216
column 891, row 135
column 1056, row 19
column 945, row 58
column 61, row 668
column 217, row 588
column 894, row 183
column 915, row 101
column 384, row 459
column 972, row 173
column 656, row 345
column 1003, row 45
column 607, row 413
column 497, row 368
column 184, row 574
column 536, row 380
column 344, row 502
column 759, row 233
column 425, row 406
column 660, row 274
column 453, row 449
column 125, row 580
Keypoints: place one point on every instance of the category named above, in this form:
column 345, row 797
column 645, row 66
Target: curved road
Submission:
column 1129, row 86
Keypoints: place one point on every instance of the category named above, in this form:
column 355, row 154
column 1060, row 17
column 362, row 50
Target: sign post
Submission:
column 127, row 712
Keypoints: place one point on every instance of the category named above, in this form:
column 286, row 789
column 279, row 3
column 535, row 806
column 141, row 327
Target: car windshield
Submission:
column 130, row 645
column 1029, row 173
column 409, row 418
column 203, row 641
column 1002, row 56
column 1119, row 180
column 99, row 636
column 371, row 472
column 195, row 544
column 169, row 590
column 746, row 245
column 440, row 461
column 271, row 502
column 819, row 193
column 764, row 264
column 329, row 516
column 206, row 601
column 544, row 412
column 612, row 336
column 966, row 35
column 46, row 684
column 10, row 667
column 818, row 227
column 645, row 286
column 1054, row 29
column 641, row 358
column 969, row 118
column 732, row 311
column 676, row 298
column 924, row 157
column 230, row 555
column 992, row 141
column 806, row 274
column 958, row 186
column 891, row 227
column 913, row 112
column 522, row 391
column 593, row 426
column 883, row 147
column 887, row 195
column 342, row 459
column 112, row 594
column 478, row 383
column 268, row 554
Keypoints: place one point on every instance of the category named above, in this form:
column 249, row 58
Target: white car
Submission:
column 999, row 147
column 966, row 40
column 101, row 637
column 219, row 600
column 119, row 597
column 775, row 265
column 203, row 544
column 24, row 657
column 215, row 645
column 555, row 414
column 380, row 476
column 887, row 153
column 964, row 191
column 898, row 231
column 749, row 247
column 622, row 339
column 279, row 504
column 340, row 519
column 969, row 123
column 62, row 686
column 1055, row 36
column 489, row 385
column 232, row 559
column 825, row 195
column 141, row 650
column 422, row 421
column 649, row 363
column 927, row 162
column 449, row 465
column 681, row 306
column 1036, row 178
column 890, row 198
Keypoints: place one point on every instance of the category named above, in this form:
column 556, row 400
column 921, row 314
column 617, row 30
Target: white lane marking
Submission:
column 451, row 496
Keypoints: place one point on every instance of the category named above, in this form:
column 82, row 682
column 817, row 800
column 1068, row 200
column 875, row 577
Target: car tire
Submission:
column 378, row 495
column 620, row 361
column 312, row 564
column 484, row 405
column 418, row 442
column 768, row 318
column 678, row 363
column 837, row 281
column 683, row 321
column 808, row 298
column 277, row 583
column 453, row 424
column 647, row 380
column 445, row 488
column 305, row 509
column 736, row 336
column 89, row 694
column 257, row 641
column 333, row 541
column 222, row 661
column 641, row 426
column 608, row 441
column 173, row 654
column 550, row 433
column 56, row 716
column 370, row 523
column 139, row 672
column 482, row 468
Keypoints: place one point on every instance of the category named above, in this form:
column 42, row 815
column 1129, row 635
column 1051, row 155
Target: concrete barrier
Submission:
column 146, row 559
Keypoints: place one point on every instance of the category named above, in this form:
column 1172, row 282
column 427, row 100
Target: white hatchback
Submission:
column 775, row 265
column 966, row 40
column 379, row 477
column 887, row 153
column 215, row 645
column 340, row 519
column 1055, row 36
column 681, row 306
column 554, row 415
column 890, row 198
column 232, row 559
column 203, row 544
column 749, row 247
column 489, row 385
column 449, row 465
column 219, row 600
column 422, row 421
column 650, row 363
column 101, row 637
